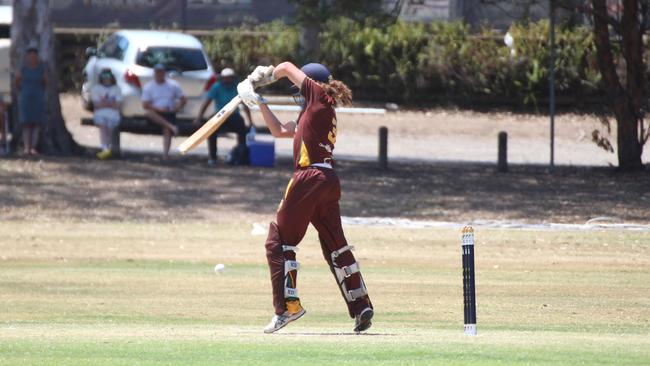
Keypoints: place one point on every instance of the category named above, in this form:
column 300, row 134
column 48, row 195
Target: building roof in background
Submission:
column 167, row 14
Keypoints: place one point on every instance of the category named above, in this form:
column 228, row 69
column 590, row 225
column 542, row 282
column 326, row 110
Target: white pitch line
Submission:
column 491, row 224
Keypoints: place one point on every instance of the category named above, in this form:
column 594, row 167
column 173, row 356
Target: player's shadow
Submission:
column 307, row 334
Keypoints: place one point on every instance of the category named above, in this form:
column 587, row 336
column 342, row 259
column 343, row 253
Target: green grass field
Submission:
column 146, row 294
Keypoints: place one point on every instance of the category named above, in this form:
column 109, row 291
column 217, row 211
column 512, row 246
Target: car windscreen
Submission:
column 179, row 59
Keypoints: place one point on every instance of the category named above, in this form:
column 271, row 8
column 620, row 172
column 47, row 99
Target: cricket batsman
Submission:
column 312, row 194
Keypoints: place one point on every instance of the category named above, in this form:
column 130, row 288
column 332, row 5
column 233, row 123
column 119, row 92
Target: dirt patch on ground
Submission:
column 142, row 188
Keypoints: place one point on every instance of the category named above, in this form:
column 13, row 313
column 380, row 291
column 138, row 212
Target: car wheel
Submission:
column 86, row 103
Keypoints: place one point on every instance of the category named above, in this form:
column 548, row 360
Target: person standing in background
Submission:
column 31, row 82
column 221, row 93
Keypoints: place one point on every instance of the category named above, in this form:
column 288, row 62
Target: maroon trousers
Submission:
column 312, row 196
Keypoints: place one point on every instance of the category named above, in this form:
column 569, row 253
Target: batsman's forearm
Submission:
column 271, row 121
column 280, row 70
column 290, row 71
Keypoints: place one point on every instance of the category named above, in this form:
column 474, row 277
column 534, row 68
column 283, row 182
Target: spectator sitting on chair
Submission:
column 106, row 99
column 221, row 93
column 162, row 99
column 31, row 81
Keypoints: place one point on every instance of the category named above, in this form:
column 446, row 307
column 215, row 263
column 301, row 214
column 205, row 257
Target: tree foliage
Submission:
column 411, row 62
column 357, row 10
column 310, row 15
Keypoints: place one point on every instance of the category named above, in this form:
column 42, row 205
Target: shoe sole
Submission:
column 365, row 322
column 295, row 317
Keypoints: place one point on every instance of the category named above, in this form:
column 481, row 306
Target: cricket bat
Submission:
column 210, row 126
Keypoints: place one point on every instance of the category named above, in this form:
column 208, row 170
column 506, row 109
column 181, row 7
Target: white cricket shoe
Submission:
column 279, row 321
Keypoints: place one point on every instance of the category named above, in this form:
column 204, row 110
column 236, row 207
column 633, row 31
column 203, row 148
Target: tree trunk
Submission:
column 629, row 146
column 626, row 101
column 32, row 26
column 309, row 19
column 309, row 41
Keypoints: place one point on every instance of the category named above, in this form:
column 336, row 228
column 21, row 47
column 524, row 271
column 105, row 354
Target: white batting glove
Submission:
column 262, row 75
column 247, row 94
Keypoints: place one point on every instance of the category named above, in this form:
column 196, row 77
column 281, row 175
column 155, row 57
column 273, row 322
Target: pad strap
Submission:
column 289, row 248
column 336, row 253
column 357, row 293
column 351, row 269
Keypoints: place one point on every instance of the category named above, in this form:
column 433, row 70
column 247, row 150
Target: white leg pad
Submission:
column 290, row 292
column 352, row 295
column 289, row 266
column 342, row 273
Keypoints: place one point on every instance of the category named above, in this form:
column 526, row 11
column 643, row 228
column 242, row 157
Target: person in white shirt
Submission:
column 162, row 99
column 106, row 98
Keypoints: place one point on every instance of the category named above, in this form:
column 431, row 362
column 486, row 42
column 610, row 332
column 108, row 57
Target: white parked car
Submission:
column 131, row 55
column 6, row 16
column 5, row 70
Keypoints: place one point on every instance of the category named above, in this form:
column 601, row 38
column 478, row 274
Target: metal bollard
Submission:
column 383, row 147
column 502, row 164
column 115, row 142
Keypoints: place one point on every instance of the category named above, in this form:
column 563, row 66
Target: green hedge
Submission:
column 244, row 48
column 408, row 62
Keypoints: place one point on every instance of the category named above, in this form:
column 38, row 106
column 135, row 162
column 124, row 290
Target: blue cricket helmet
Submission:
column 317, row 72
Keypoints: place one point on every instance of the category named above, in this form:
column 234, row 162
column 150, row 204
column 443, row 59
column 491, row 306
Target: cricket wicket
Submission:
column 469, row 290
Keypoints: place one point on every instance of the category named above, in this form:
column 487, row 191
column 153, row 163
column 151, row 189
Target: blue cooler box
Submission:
column 261, row 153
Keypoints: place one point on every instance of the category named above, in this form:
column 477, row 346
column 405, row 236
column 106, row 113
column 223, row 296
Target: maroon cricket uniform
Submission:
column 312, row 196
column 316, row 133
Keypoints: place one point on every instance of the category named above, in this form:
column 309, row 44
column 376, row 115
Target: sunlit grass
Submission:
column 132, row 294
